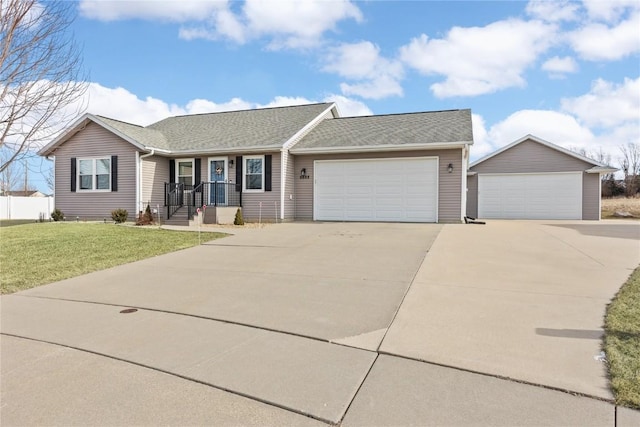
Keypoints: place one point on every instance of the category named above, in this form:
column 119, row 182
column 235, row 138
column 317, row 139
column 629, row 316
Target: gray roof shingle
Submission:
column 145, row 136
column 263, row 128
column 393, row 129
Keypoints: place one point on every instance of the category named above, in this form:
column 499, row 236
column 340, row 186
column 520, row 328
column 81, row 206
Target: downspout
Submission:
column 464, row 190
column 283, row 179
column 139, row 186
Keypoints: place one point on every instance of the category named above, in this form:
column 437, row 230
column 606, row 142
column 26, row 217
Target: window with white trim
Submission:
column 185, row 172
column 253, row 173
column 94, row 174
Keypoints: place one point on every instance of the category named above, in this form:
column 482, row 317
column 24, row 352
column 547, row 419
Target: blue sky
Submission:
column 568, row 72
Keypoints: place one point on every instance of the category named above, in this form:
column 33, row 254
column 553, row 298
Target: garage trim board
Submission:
column 556, row 195
column 383, row 189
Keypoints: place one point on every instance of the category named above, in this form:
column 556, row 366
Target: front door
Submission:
column 218, row 179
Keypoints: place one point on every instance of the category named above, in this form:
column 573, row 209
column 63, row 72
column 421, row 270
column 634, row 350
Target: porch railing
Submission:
column 215, row 193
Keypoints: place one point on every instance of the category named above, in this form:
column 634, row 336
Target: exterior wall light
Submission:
column 231, row 163
column 303, row 172
column 450, row 168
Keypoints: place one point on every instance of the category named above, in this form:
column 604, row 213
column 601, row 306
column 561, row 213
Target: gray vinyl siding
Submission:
column 95, row 142
column 450, row 184
column 591, row 196
column 472, row 196
column 289, row 186
column 531, row 157
column 155, row 172
column 270, row 199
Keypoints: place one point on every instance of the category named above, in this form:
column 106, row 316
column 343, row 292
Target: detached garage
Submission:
column 535, row 179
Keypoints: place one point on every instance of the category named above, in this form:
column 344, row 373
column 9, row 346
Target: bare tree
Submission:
column 630, row 165
column 41, row 75
column 10, row 176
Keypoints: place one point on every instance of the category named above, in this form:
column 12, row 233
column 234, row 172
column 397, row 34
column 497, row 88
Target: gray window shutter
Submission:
column 267, row 172
column 73, row 174
column 239, row 174
column 197, row 176
column 114, row 173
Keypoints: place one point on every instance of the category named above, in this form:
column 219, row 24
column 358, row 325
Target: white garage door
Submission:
column 399, row 190
column 530, row 196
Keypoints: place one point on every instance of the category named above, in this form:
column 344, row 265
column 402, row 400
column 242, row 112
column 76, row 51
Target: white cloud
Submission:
column 553, row 11
column 120, row 104
column 559, row 65
column 607, row 104
column 377, row 77
column 597, row 41
column 285, row 23
column 295, row 23
column 162, row 10
column 609, row 10
column 480, row 60
column 553, row 126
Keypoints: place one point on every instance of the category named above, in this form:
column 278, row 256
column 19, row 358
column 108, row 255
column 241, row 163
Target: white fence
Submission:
column 13, row 207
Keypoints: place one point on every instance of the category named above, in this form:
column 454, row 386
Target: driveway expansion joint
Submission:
column 183, row 377
column 500, row 377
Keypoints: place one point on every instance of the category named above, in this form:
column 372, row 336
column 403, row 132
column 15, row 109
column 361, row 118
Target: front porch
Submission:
column 218, row 201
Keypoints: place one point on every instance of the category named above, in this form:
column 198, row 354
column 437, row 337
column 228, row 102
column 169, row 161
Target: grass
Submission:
column 622, row 342
column 610, row 206
column 36, row 254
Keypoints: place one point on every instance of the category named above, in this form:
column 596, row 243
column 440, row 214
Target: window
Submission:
column 185, row 172
column 94, row 174
column 254, row 173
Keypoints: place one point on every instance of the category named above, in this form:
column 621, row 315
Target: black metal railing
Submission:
column 177, row 195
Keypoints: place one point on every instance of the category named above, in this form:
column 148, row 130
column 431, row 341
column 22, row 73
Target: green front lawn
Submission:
column 622, row 342
column 36, row 254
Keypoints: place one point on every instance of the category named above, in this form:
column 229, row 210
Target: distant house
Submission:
column 534, row 179
column 287, row 163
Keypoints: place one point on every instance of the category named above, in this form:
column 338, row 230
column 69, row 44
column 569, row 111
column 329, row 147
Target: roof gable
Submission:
column 543, row 143
column 82, row 122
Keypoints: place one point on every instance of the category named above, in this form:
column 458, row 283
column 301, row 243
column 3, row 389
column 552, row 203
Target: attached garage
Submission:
column 535, row 179
column 389, row 168
column 391, row 189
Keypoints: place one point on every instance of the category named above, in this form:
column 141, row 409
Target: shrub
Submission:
column 119, row 215
column 238, row 219
column 57, row 215
column 145, row 218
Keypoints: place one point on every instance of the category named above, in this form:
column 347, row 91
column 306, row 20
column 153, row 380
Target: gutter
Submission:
column 379, row 148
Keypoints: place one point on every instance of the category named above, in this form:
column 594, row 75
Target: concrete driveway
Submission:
column 306, row 324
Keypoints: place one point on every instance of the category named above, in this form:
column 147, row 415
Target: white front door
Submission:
column 218, row 180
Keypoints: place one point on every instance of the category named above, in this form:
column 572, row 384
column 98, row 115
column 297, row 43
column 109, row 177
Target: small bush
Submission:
column 145, row 218
column 119, row 215
column 57, row 215
column 238, row 219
